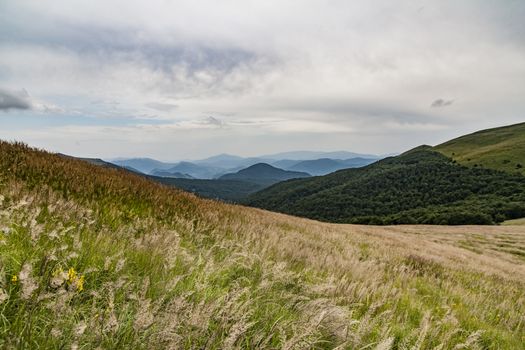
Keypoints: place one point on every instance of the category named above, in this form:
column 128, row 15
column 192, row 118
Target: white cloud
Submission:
column 360, row 69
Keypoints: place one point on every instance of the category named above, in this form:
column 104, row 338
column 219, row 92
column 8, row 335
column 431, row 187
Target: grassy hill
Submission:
column 92, row 257
column 419, row 186
column 500, row 148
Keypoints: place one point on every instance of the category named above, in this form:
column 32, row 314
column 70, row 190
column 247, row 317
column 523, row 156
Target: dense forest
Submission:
column 420, row 186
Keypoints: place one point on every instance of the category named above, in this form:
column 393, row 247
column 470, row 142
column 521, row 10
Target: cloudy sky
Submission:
column 187, row 79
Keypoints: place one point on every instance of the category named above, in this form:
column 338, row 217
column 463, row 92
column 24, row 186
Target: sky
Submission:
column 189, row 79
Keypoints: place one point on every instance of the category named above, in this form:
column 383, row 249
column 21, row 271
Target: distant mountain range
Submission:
column 144, row 165
column 325, row 166
column 309, row 155
column 318, row 163
column 192, row 170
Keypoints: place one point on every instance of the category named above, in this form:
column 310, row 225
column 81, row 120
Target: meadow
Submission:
column 92, row 257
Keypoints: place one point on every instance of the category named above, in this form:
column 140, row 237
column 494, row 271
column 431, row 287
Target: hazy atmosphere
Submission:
column 189, row 79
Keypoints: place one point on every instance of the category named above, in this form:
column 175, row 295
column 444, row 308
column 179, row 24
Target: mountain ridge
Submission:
column 264, row 173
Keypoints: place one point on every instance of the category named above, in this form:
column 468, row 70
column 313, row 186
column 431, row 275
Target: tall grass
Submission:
column 93, row 257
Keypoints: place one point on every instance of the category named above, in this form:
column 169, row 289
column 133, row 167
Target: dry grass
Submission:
column 163, row 269
column 515, row 222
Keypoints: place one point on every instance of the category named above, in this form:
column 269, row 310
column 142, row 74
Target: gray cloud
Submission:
column 164, row 107
column 267, row 69
column 213, row 121
column 14, row 100
column 441, row 103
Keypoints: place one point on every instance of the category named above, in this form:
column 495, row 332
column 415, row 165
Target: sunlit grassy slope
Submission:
column 515, row 222
column 95, row 257
column 500, row 148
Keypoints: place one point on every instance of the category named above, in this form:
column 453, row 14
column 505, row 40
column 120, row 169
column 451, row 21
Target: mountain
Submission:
column 309, row 155
column 93, row 257
column 263, row 173
column 284, row 163
column 325, row 166
column 419, row 186
column 321, row 166
column 221, row 164
column 165, row 173
column 229, row 162
column 198, row 171
column 144, row 165
column 358, row 162
column 499, row 148
column 232, row 187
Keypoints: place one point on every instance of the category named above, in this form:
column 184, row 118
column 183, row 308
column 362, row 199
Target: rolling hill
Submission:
column 419, row 186
column 500, row 148
column 264, row 174
column 96, row 257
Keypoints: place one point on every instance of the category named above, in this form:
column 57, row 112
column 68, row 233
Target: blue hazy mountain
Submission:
column 166, row 173
column 325, row 166
column 144, row 165
column 311, row 155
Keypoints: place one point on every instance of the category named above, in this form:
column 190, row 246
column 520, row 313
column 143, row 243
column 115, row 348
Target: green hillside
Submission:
column 500, row 148
column 100, row 258
column 419, row 186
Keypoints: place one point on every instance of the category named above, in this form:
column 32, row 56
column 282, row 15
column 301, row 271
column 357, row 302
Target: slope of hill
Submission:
column 325, row 166
column 264, row 174
column 419, row 186
column 92, row 257
column 500, row 148
column 94, row 161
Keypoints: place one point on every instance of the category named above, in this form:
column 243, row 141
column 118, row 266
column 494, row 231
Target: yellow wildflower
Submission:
column 80, row 284
column 71, row 275
column 14, row 279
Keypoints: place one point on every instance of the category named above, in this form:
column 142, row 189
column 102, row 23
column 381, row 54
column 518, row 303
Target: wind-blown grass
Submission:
column 93, row 257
